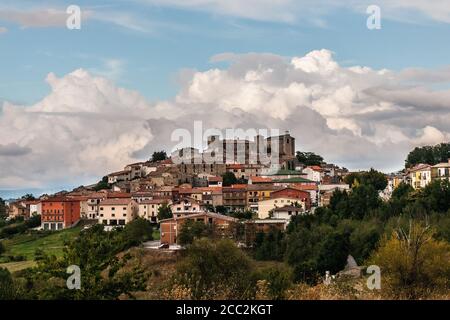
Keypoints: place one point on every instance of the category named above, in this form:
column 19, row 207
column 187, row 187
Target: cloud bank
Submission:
column 356, row 116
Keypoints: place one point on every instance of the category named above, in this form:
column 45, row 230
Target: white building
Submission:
column 148, row 209
column 286, row 212
column 441, row 171
column 185, row 206
column 420, row 176
column 119, row 176
column 265, row 206
column 117, row 212
column 313, row 173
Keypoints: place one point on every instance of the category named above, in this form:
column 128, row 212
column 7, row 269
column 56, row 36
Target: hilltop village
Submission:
column 240, row 188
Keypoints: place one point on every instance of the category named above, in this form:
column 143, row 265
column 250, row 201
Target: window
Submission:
column 125, row 208
column 113, row 215
column 113, row 209
column 101, row 208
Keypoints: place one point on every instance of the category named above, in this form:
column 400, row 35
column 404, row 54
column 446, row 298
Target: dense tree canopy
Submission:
column 429, row 155
column 216, row 268
column 102, row 184
column 159, row 156
column 372, row 178
column 96, row 252
column 228, row 179
column 309, row 158
column 164, row 212
column 2, row 209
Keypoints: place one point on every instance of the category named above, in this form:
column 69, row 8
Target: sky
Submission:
column 78, row 104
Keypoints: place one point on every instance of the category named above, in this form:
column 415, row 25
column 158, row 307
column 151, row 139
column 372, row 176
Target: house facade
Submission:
column 185, row 206
column 266, row 207
column 235, row 197
column 59, row 213
column 420, row 176
column 148, row 209
column 117, row 212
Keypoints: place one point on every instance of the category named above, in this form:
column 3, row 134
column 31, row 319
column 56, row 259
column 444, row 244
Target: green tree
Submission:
column 428, row 154
column 372, row 177
column 28, row 197
column 137, row 231
column 159, row 156
column 102, row 184
column 212, row 269
column 228, row 179
column 193, row 230
column 2, row 209
column 95, row 251
column 9, row 289
column 279, row 278
column 269, row 246
column 414, row 264
column 164, row 212
column 436, row 196
column 242, row 214
column 309, row 158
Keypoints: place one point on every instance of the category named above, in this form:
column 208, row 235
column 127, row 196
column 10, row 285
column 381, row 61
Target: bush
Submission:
column 278, row 279
column 414, row 264
column 137, row 231
column 215, row 270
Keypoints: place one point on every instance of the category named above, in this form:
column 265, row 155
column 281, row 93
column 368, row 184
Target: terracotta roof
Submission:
column 274, row 193
column 215, row 178
column 239, row 186
column 118, row 173
column 257, row 187
column 110, row 202
column 58, row 199
column 155, row 201
column 305, row 186
column 260, row 179
column 315, row 168
column 117, row 194
column 420, row 166
column 442, row 165
column 97, row 195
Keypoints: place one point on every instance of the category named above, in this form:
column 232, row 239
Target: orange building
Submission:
column 59, row 213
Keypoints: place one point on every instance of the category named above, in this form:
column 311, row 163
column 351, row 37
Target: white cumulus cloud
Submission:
column 355, row 116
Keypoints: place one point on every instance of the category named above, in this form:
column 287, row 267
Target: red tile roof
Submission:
column 256, row 179
column 111, row 202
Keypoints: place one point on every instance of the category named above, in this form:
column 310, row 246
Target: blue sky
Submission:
column 163, row 52
column 173, row 39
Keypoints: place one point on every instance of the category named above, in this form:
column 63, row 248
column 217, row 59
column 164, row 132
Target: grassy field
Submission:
column 17, row 266
column 53, row 244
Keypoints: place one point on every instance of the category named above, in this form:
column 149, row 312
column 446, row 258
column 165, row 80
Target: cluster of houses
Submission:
column 418, row 176
column 195, row 191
